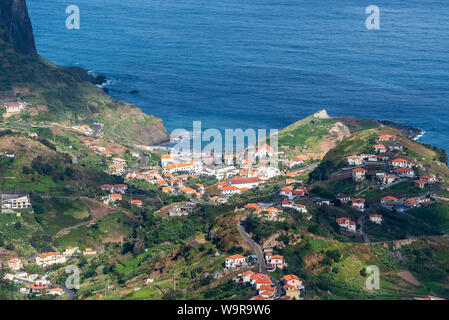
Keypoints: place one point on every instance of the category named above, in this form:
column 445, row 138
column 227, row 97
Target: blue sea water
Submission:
column 261, row 63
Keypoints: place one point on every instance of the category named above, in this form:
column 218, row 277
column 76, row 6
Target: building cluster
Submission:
column 41, row 283
column 290, row 286
column 399, row 168
column 182, row 209
column 100, row 150
column 115, row 191
column 84, row 129
column 392, row 203
column 274, row 261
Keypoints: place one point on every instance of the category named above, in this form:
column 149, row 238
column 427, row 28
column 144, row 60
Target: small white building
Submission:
column 347, row 223
column 15, row 264
column 235, row 261
column 15, row 201
column 376, row 218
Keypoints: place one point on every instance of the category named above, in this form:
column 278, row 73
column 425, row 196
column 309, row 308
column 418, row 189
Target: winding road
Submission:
column 260, row 258
column 256, row 248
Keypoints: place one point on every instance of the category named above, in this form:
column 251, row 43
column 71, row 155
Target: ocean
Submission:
column 261, row 63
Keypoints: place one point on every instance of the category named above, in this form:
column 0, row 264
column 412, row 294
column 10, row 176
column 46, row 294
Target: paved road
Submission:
column 98, row 127
column 360, row 221
column 256, row 248
column 261, row 259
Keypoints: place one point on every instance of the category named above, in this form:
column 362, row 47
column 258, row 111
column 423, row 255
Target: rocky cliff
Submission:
column 15, row 20
column 62, row 95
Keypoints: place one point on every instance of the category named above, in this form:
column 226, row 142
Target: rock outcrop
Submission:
column 15, row 21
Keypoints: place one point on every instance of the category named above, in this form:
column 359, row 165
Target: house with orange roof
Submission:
column 117, row 169
column 358, row 174
column 405, row 172
column 112, row 198
column 14, row 107
column 262, row 282
column 230, row 190
column 55, row 292
column 222, row 184
column 375, row 218
column 400, row 163
column 137, row 203
column 235, row 261
column 346, row 223
column 214, row 198
column 167, row 189
column 358, row 204
column 253, row 206
column 15, row 264
column 246, row 276
column 412, row 203
column 267, row 294
column 300, row 191
column 244, row 182
column 380, row 148
column 274, row 261
column 291, row 174
column 389, row 200
column 293, row 280
column 421, row 184
column 287, row 192
column 385, row 137
column 50, row 258
column 291, row 204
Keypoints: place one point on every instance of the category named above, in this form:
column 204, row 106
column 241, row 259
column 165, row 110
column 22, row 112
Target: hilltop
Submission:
column 61, row 95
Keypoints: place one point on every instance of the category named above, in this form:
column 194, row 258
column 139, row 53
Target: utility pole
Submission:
column 174, row 283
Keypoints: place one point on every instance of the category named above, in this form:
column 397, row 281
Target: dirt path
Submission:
column 407, row 276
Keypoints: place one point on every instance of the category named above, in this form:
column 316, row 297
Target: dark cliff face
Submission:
column 15, row 21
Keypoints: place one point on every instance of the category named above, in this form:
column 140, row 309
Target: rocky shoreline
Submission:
column 408, row 131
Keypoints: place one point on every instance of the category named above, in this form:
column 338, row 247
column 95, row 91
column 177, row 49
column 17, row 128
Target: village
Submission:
column 201, row 181
column 40, row 283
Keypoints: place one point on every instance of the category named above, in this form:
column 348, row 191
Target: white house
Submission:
column 234, row 261
column 358, row 174
column 50, row 258
column 244, row 182
column 355, row 160
column 346, row 223
column 230, row 190
column 375, row 218
column 405, row 172
column 15, row 201
column 70, row 251
column 358, row 204
column 264, row 151
column 400, row 163
column 14, row 107
column 15, row 264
